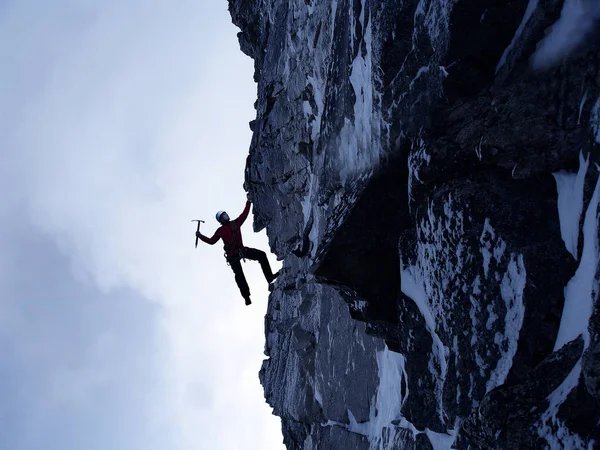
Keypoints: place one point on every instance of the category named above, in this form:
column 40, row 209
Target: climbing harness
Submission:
column 237, row 256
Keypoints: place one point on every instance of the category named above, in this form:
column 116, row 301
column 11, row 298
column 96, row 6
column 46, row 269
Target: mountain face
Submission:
column 427, row 170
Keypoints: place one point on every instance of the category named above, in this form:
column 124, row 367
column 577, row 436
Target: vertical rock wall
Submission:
column 427, row 170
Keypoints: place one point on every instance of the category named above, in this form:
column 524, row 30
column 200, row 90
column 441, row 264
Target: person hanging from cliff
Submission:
column 231, row 233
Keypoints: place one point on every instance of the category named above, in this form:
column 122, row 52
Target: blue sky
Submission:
column 122, row 122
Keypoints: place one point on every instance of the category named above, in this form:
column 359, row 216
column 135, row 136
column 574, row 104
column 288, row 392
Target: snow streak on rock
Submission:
column 511, row 287
column 386, row 425
column 413, row 287
column 570, row 203
column 359, row 139
column 595, row 120
column 580, row 292
column 552, row 429
column 387, row 403
column 581, row 105
column 417, row 158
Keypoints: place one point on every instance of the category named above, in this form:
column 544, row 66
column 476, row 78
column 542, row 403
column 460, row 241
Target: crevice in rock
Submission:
column 363, row 256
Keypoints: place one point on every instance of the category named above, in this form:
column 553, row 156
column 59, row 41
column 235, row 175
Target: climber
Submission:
column 231, row 233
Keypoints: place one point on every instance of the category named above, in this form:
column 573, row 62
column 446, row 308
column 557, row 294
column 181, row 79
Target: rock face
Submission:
column 427, row 171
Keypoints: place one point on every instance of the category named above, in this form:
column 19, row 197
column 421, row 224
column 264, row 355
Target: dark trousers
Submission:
column 236, row 265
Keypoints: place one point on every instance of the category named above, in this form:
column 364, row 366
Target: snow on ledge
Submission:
column 385, row 417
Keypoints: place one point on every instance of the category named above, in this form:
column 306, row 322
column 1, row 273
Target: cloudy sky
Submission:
column 121, row 122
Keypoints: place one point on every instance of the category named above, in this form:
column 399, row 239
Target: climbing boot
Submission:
column 275, row 275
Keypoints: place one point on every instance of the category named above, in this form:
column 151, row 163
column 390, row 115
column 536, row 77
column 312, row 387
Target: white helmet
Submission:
column 219, row 214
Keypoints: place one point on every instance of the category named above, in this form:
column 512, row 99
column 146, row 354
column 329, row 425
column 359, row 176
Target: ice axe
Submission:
column 197, row 230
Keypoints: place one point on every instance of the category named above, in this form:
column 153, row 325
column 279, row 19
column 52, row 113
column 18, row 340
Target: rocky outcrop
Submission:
column 427, row 171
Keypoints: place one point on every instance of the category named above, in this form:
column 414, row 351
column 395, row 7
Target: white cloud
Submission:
column 133, row 123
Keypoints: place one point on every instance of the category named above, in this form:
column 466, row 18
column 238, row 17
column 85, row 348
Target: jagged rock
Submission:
column 591, row 370
column 507, row 416
column 402, row 162
column 335, row 437
column 308, row 375
column 591, row 357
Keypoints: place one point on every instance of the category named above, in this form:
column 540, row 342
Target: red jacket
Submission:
column 231, row 233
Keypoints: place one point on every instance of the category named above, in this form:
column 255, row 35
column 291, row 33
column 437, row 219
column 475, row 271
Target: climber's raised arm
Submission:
column 240, row 220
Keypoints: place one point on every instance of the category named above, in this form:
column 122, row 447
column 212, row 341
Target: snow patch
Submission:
column 436, row 16
column 317, row 86
column 499, row 250
column 385, row 418
column 389, row 394
column 440, row 441
column 388, row 400
column 491, row 318
column 306, row 109
column 570, row 203
column 334, row 5
column 318, row 396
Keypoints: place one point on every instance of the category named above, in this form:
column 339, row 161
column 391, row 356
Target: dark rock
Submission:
column 363, row 254
column 507, row 416
column 335, row 437
column 591, row 370
column 591, row 357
